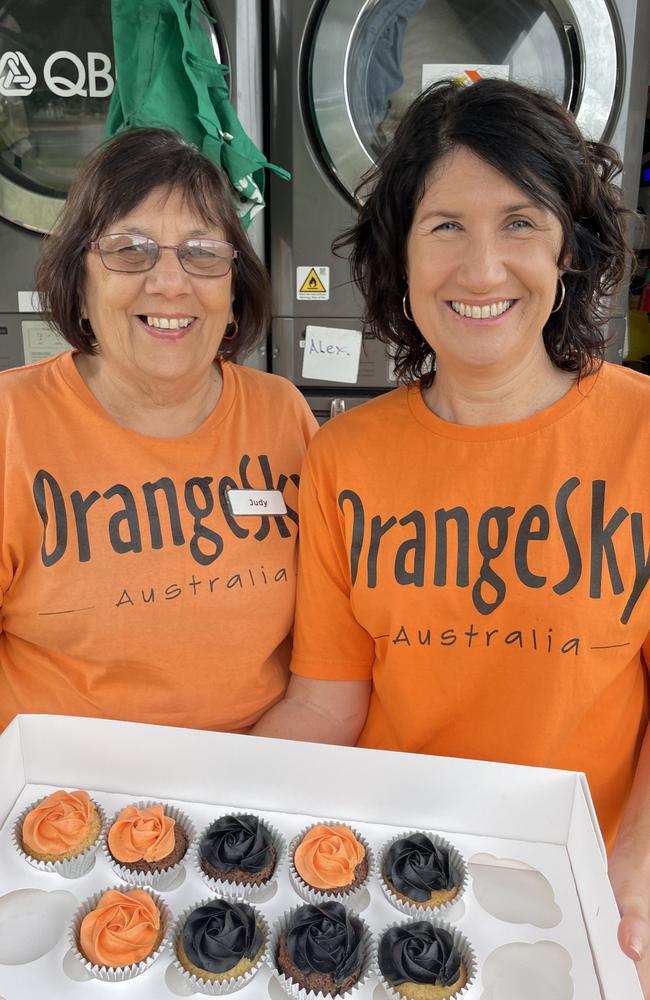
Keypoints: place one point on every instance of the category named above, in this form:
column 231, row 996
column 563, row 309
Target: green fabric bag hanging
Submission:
column 167, row 75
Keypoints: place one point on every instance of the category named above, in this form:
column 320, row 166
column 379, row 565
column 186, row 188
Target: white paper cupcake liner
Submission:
column 70, row 868
column 413, row 908
column 121, row 973
column 164, row 878
column 316, row 896
column 241, row 890
column 299, row 992
column 207, row 986
column 467, row 954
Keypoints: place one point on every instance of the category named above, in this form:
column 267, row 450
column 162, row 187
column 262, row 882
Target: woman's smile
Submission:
column 486, row 313
column 169, row 328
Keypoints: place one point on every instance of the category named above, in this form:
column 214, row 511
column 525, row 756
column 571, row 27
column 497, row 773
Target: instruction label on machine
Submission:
column 313, row 283
column 40, row 340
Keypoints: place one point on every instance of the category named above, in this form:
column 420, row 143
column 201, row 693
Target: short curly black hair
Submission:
column 530, row 138
column 117, row 178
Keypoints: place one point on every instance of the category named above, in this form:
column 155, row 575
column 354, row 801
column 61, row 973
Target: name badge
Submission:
column 244, row 502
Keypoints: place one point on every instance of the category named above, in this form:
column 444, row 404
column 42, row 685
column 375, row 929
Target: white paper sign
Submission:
column 29, row 302
column 256, row 502
column 331, row 354
column 468, row 73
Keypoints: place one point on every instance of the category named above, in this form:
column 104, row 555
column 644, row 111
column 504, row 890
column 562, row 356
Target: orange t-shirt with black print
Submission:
column 128, row 587
column 491, row 581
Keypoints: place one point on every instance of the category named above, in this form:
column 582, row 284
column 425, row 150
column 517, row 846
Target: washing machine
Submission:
column 56, row 78
column 342, row 74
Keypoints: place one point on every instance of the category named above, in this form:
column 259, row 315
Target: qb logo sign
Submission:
column 17, row 78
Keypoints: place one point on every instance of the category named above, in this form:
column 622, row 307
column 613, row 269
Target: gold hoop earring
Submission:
column 233, row 334
column 562, row 294
column 404, row 308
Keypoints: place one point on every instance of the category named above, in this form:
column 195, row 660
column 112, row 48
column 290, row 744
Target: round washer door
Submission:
column 365, row 61
column 56, row 79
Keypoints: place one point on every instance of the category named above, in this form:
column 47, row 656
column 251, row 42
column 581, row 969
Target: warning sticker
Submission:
column 313, row 283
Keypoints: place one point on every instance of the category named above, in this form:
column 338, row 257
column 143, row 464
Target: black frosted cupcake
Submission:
column 221, row 940
column 421, row 871
column 322, row 948
column 423, row 961
column 239, row 850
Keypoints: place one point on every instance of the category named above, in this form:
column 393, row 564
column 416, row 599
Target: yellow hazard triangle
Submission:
column 312, row 283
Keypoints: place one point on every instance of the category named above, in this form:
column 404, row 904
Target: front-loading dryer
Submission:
column 56, row 78
column 342, row 74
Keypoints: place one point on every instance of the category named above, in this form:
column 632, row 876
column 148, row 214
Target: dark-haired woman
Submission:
column 475, row 544
column 149, row 485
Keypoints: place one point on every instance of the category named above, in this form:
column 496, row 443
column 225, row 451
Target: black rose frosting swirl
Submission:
column 325, row 939
column 417, row 867
column 238, row 842
column 218, row 935
column 419, row 953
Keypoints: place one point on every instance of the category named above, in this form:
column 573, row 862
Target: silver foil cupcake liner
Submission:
column 316, row 896
column 467, row 955
column 241, row 890
column 413, row 908
column 120, row 973
column 294, row 989
column 207, row 986
column 74, row 867
column 164, row 878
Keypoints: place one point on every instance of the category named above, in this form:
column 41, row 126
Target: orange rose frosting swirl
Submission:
column 142, row 834
column 327, row 856
column 59, row 823
column 121, row 930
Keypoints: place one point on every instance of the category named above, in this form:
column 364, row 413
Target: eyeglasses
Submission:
column 130, row 253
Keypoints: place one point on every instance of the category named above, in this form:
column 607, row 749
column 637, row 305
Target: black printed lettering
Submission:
column 525, row 535
column 602, row 541
column 60, row 521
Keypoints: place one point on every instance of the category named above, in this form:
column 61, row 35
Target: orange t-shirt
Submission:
column 128, row 589
column 491, row 581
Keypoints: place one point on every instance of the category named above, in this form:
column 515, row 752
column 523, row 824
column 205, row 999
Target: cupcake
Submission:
column 422, row 961
column 219, row 941
column 238, row 849
column 322, row 948
column 59, row 832
column 118, row 934
column 329, row 859
column 422, row 871
column 145, row 843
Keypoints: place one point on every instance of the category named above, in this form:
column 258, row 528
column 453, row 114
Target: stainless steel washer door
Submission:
column 56, row 78
column 367, row 60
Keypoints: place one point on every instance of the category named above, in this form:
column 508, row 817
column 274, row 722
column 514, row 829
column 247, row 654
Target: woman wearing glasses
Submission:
column 148, row 518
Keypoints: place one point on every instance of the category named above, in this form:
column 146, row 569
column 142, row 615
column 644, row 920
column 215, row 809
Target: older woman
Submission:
column 475, row 544
column 149, row 485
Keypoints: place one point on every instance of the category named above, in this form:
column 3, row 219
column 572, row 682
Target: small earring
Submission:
column 405, row 309
column 562, row 294
column 87, row 332
column 233, row 334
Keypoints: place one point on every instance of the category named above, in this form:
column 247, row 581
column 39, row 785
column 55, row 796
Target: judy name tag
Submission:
column 258, row 502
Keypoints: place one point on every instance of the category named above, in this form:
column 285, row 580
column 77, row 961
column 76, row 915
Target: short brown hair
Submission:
column 114, row 181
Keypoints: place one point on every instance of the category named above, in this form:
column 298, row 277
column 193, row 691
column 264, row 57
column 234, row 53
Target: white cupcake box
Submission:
column 537, row 910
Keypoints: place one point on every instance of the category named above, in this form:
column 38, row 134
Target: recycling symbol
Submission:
column 17, row 78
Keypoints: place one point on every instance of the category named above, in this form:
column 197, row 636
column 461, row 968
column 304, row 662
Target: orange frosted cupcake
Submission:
column 146, row 843
column 60, row 832
column 329, row 860
column 117, row 934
